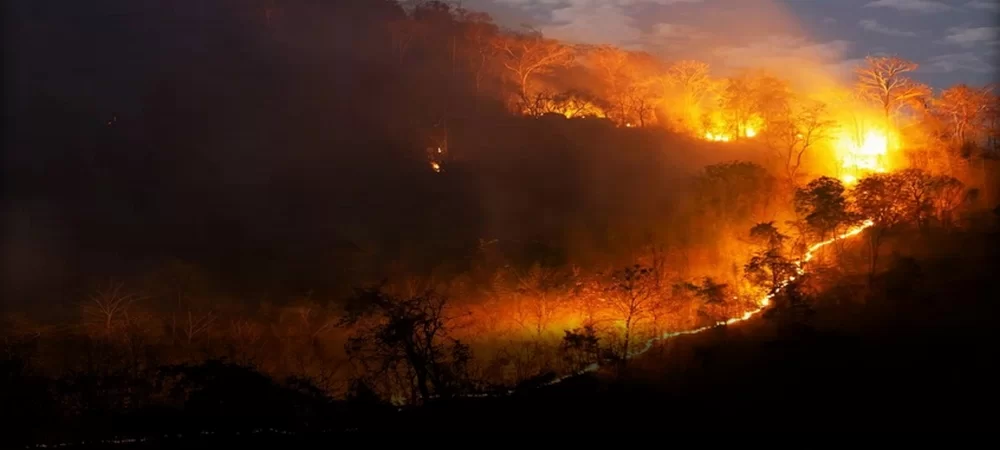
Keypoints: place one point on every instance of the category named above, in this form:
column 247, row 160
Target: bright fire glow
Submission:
column 865, row 156
column 435, row 166
column 716, row 137
column 763, row 303
column 749, row 131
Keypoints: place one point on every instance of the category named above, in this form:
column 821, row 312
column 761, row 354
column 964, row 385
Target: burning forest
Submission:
column 309, row 217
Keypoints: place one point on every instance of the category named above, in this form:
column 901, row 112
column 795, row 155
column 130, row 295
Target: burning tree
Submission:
column 612, row 64
column 629, row 81
column 738, row 105
column 691, row 80
column 712, row 295
column 792, row 134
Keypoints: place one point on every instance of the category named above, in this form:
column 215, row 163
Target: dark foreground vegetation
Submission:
column 912, row 350
column 347, row 216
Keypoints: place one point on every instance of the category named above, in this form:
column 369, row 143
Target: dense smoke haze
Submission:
column 278, row 152
column 378, row 213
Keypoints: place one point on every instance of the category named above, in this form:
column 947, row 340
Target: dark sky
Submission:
column 953, row 40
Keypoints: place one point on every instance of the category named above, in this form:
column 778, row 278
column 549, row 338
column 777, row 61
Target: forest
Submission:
column 357, row 210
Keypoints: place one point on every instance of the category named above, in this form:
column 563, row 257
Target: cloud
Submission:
column 971, row 36
column 529, row 4
column 921, row 6
column 988, row 5
column 958, row 62
column 587, row 22
column 875, row 27
column 597, row 21
column 829, row 21
column 795, row 58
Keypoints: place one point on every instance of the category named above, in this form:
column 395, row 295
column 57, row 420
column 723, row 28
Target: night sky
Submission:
column 954, row 41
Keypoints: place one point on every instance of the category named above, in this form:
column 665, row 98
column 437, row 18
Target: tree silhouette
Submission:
column 883, row 81
column 823, row 206
column 691, row 79
column 631, row 294
column 528, row 54
column 876, row 197
column 806, row 124
column 581, row 347
column 713, row 296
column 411, row 331
column 769, row 266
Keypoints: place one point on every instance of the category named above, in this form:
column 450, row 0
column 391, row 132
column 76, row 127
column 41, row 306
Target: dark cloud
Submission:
column 953, row 37
column 921, row 6
column 875, row 27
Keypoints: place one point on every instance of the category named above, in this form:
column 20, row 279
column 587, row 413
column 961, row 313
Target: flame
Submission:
column 435, row 166
column 716, row 137
column 750, row 129
column 762, row 304
column 865, row 156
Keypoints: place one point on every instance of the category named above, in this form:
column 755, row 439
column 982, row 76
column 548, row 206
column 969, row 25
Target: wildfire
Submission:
column 868, row 155
column 716, row 137
column 435, row 166
column 763, row 303
column 748, row 131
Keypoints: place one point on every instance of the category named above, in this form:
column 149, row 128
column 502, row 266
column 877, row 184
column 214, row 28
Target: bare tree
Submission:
column 632, row 295
column 965, row 109
column 528, row 54
column 883, row 80
column 691, row 78
column 612, row 65
column 791, row 136
column 197, row 324
column 107, row 309
column 542, row 288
